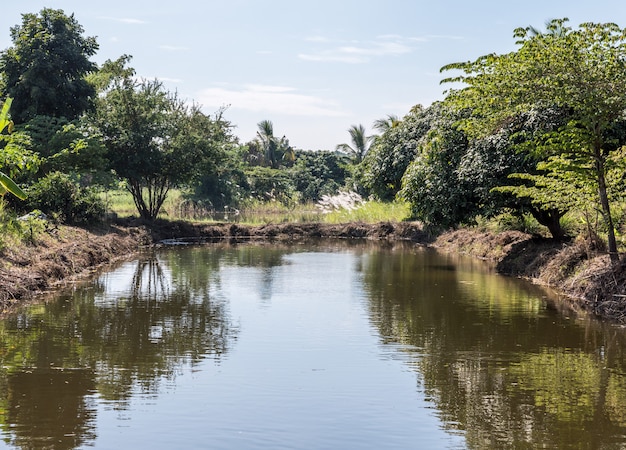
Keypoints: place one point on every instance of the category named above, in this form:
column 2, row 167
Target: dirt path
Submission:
column 573, row 268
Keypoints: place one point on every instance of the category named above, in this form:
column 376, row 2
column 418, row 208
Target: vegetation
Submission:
column 578, row 71
column 7, row 185
column 537, row 132
column 44, row 70
column 360, row 143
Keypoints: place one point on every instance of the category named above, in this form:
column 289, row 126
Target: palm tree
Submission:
column 269, row 144
column 554, row 28
column 382, row 125
column 360, row 143
column 275, row 150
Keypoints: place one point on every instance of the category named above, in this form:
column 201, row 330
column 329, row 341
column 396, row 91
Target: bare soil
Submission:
column 576, row 269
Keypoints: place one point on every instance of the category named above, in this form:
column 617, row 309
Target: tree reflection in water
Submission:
column 114, row 339
column 499, row 366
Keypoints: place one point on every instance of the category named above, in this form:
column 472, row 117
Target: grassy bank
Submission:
column 43, row 257
column 253, row 212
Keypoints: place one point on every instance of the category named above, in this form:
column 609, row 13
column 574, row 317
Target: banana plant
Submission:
column 6, row 183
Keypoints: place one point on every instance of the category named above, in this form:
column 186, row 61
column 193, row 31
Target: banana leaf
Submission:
column 8, row 185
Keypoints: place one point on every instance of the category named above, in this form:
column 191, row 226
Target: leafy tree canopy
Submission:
column 360, row 143
column 155, row 142
column 44, row 70
column 391, row 152
column 580, row 70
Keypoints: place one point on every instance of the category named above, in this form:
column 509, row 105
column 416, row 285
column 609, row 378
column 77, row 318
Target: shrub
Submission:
column 57, row 195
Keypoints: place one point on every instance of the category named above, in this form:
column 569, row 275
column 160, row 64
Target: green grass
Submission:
column 371, row 212
column 257, row 213
column 121, row 202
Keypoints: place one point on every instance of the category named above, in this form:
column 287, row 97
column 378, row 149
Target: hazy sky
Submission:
column 313, row 68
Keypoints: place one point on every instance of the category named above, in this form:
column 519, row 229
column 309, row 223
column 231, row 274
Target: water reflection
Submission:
column 121, row 336
column 497, row 363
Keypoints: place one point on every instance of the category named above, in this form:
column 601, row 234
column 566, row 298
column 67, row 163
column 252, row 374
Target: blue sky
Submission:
column 313, row 68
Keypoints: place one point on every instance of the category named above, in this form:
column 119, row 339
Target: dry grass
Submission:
column 32, row 267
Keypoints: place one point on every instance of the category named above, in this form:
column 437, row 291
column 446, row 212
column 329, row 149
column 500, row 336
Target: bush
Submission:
column 270, row 184
column 319, row 173
column 57, row 195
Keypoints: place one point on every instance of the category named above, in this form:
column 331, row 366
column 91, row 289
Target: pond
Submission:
column 318, row 346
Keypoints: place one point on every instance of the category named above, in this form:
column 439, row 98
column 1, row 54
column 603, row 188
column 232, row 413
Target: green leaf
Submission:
column 8, row 185
column 4, row 114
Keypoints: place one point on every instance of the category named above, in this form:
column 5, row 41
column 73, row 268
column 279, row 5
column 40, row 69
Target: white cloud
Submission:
column 126, row 20
column 359, row 52
column 271, row 99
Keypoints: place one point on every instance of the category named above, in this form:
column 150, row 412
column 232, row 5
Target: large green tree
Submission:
column 390, row 154
column 44, row 71
column 582, row 70
column 155, row 142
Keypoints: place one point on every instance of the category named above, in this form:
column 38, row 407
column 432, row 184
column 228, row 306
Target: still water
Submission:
column 326, row 346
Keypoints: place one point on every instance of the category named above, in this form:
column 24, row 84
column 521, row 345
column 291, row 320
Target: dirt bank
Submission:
column 575, row 269
column 572, row 268
column 64, row 253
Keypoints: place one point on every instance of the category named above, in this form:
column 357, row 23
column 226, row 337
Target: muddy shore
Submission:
column 574, row 269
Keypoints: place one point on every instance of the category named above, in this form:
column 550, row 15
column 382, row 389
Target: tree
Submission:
column 385, row 163
column 582, row 70
column 72, row 147
column 382, row 125
column 155, row 142
column 44, row 70
column 319, row 173
column 360, row 143
column 274, row 150
column 494, row 164
column 431, row 184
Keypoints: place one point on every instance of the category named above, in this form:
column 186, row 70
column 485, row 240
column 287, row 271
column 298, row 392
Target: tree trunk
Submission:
column 550, row 218
column 606, row 208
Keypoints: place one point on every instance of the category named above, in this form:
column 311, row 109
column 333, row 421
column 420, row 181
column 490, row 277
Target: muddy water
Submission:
column 327, row 346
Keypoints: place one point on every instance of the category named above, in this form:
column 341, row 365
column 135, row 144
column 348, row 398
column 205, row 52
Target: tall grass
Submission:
column 120, row 201
column 256, row 212
column 370, row 212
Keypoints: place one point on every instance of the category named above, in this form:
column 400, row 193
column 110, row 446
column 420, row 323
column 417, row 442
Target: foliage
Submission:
column 13, row 158
column 10, row 227
column 491, row 161
column 360, row 143
column 344, row 200
column 382, row 168
column 155, row 142
column 222, row 189
column 431, row 184
column 57, row 195
column 371, row 211
column 318, row 173
column 72, row 147
column 389, row 122
column 275, row 150
column 44, row 70
column 579, row 70
column 267, row 184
